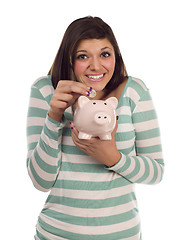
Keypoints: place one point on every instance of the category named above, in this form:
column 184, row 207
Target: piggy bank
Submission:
column 95, row 118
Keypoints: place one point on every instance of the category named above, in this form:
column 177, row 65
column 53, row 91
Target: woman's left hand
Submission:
column 104, row 151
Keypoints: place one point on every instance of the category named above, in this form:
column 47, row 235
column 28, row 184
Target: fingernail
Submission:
column 71, row 128
column 117, row 117
column 88, row 93
column 90, row 88
column 70, row 123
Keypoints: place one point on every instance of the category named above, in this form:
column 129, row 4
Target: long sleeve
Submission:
column 44, row 137
column 147, row 166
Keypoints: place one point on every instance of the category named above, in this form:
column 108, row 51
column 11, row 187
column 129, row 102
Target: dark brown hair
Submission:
column 80, row 29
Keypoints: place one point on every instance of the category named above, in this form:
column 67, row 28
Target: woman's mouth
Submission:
column 95, row 77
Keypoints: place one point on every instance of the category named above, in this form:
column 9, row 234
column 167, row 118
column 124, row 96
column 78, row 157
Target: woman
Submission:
column 91, row 182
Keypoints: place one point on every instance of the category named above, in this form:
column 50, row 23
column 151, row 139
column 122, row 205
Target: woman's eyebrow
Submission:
column 80, row 51
column 102, row 49
column 106, row 48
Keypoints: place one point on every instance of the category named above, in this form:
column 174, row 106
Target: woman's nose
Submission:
column 95, row 64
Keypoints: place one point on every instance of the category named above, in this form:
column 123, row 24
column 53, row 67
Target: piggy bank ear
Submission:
column 82, row 100
column 113, row 101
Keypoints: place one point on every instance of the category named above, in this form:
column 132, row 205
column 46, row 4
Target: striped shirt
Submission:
column 87, row 199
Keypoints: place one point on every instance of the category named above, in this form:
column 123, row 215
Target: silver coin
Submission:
column 92, row 93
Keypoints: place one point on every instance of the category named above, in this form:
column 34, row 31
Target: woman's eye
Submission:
column 82, row 56
column 105, row 54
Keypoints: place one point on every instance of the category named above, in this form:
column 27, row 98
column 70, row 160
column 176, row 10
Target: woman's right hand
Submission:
column 66, row 93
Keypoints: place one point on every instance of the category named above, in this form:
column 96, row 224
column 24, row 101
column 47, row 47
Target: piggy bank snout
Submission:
column 102, row 118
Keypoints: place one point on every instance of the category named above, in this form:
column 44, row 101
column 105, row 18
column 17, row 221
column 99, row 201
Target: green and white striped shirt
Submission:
column 88, row 200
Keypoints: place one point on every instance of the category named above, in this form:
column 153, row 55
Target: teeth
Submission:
column 95, row 77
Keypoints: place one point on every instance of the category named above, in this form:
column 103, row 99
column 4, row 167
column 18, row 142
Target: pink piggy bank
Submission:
column 95, row 118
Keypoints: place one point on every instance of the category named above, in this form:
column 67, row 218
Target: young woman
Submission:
column 91, row 182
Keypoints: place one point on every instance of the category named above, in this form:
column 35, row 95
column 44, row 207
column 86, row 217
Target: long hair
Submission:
column 80, row 29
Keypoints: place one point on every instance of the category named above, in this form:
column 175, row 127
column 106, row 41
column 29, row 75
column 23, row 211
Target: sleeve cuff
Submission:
column 56, row 123
column 118, row 165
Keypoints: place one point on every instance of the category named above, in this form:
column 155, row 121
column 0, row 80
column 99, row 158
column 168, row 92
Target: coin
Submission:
column 92, row 93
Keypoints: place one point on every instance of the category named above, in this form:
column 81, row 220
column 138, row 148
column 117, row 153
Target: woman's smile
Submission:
column 95, row 77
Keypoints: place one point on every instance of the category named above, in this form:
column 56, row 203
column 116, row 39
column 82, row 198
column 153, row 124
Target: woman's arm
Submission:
column 147, row 166
column 44, row 137
column 44, row 128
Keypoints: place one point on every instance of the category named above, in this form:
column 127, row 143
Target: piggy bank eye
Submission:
column 94, row 103
column 105, row 103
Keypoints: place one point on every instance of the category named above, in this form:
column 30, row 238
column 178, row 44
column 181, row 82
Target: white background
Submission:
column 153, row 38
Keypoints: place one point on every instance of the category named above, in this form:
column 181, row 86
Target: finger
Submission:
column 65, row 97
column 74, row 133
column 74, row 129
column 73, row 87
column 59, row 105
column 81, row 143
column 78, row 90
column 115, row 129
column 61, row 101
column 116, row 126
column 78, row 142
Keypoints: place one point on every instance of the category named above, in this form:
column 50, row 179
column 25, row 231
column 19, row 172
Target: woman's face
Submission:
column 94, row 63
